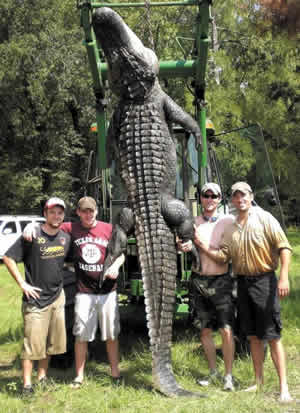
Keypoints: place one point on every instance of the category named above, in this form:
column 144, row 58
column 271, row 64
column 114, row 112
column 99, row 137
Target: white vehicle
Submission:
column 11, row 228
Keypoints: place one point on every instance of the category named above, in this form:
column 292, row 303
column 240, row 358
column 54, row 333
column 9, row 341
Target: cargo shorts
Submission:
column 259, row 306
column 44, row 329
column 211, row 301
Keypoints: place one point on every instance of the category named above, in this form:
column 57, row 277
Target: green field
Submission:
column 137, row 395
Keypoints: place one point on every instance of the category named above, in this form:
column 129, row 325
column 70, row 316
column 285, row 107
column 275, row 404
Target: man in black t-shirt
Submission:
column 43, row 294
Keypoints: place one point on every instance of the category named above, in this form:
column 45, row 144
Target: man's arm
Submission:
column 27, row 289
column 113, row 271
column 29, row 231
column 220, row 256
column 283, row 283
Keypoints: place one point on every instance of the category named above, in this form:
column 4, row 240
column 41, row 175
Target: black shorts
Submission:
column 211, row 301
column 258, row 306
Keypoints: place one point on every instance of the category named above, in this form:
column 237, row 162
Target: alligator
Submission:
column 139, row 139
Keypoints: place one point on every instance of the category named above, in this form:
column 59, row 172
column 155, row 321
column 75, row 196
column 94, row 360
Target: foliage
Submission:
column 47, row 101
column 258, row 84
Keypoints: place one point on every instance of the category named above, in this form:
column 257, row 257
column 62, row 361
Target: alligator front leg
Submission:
column 179, row 218
column 118, row 242
column 174, row 113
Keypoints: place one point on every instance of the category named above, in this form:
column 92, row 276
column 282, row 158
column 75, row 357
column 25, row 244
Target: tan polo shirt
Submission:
column 213, row 233
column 254, row 248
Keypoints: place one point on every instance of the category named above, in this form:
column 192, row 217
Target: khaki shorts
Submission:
column 94, row 309
column 44, row 329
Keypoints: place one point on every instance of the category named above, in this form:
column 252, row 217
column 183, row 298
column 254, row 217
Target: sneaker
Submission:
column 117, row 381
column 27, row 390
column 285, row 397
column 213, row 378
column 76, row 383
column 43, row 382
column 228, row 383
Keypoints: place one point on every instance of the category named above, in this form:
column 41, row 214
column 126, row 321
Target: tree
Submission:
column 259, row 84
column 47, row 103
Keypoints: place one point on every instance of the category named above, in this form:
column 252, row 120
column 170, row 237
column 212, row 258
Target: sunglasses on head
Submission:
column 213, row 196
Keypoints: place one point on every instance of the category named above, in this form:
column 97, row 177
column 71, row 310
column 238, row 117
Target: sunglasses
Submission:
column 213, row 196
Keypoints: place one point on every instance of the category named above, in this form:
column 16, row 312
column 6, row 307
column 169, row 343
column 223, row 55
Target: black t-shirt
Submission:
column 43, row 261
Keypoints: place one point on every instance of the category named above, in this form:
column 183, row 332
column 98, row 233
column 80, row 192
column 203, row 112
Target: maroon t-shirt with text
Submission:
column 89, row 252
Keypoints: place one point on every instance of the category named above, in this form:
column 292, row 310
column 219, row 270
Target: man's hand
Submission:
column 184, row 246
column 29, row 231
column 112, row 272
column 283, row 288
column 27, row 289
column 30, row 291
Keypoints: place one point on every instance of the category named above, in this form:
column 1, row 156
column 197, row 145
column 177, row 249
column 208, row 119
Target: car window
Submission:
column 10, row 225
column 24, row 223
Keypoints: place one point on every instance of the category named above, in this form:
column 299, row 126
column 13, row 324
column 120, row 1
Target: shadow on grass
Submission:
column 12, row 335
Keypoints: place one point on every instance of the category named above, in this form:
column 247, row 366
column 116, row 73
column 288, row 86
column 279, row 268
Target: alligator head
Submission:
column 132, row 66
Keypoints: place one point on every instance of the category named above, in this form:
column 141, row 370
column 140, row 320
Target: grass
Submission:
column 138, row 395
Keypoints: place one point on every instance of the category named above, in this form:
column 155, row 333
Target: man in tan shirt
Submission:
column 211, row 287
column 255, row 243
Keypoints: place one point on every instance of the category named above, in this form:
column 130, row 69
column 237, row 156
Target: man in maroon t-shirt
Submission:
column 96, row 300
column 93, row 303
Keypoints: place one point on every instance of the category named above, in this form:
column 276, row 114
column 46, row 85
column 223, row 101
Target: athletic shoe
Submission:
column 117, row 381
column 228, row 383
column 43, row 383
column 27, row 390
column 212, row 378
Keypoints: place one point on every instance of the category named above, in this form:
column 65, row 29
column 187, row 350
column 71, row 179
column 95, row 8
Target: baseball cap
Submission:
column 52, row 202
column 242, row 187
column 87, row 202
column 211, row 186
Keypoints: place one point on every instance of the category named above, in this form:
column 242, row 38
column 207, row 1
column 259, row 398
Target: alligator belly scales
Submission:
column 143, row 169
column 140, row 141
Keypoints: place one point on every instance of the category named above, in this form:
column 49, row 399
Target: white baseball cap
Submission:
column 52, row 202
column 211, row 186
